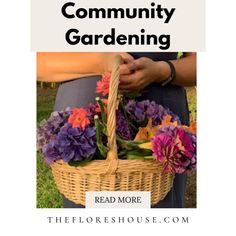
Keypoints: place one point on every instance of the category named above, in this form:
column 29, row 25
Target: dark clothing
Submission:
column 81, row 92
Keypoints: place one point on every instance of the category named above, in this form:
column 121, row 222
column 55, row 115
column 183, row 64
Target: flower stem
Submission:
column 129, row 143
column 102, row 107
column 123, row 107
column 135, row 157
column 103, row 150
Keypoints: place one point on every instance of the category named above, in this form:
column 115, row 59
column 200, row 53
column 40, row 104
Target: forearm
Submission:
column 185, row 70
column 55, row 67
column 64, row 77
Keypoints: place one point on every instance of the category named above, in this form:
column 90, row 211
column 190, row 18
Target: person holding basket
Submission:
column 159, row 77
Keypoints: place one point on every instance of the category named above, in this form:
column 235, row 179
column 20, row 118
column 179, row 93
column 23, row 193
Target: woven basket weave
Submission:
column 112, row 174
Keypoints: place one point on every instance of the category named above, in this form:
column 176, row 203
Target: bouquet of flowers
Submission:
column 144, row 131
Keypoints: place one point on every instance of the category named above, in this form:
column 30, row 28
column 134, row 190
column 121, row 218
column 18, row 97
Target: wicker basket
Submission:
column 112, row 174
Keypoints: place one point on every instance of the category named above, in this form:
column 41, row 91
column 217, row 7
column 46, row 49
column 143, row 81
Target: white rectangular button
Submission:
column 119, row 199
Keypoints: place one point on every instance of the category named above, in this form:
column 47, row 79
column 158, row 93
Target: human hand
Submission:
column 144, row 71
column 126, row 60
column 126, row 65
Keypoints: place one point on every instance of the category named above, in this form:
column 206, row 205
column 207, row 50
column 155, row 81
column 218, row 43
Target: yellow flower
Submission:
column 147, row 145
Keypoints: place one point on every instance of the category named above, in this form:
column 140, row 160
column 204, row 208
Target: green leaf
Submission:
column 134, row 157
column 180, row 55
column 143, row 123
column 103, row 149
column 140, row 152
column 149, row 157
column 80, row 163
column 122, row 153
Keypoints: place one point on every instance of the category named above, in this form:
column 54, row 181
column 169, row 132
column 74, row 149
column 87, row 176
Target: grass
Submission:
column 47, row 193
column 191, row 191
column 45, row 102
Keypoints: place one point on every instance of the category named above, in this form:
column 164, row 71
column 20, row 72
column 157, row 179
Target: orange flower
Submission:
column 167, row 121
column 103, row 85
column 78, row 118
column 146, row 133
column 192, row 128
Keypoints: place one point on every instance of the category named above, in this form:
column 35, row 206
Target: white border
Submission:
column 216, row 141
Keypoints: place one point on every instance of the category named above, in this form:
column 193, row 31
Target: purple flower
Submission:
column 158, row 112
column 138, row 111
column 175, row 148
column 76, row 144
column 91, row 110
column 49, row 129
column 122, row 127
column 193, row 160
column 51, row 152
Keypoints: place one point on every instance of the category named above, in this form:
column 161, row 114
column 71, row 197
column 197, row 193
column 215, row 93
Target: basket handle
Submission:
column 112, row 155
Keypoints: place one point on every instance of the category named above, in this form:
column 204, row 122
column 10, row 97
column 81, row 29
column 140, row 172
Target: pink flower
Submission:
column 163, row 149
column 184, row 143
column 175, row 148
column 103, row 85
column 78, row 118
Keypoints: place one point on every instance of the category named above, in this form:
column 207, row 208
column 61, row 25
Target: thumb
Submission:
column 127, row 58
column 136, row 64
